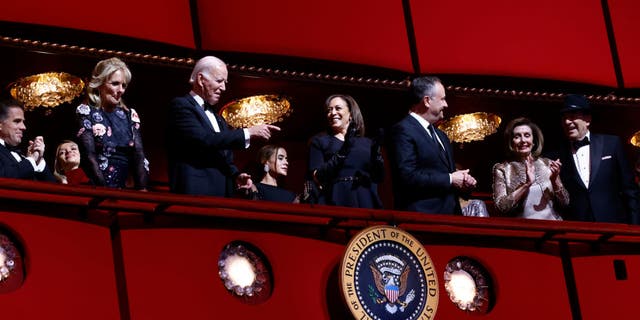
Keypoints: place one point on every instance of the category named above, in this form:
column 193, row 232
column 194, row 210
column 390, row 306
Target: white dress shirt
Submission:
column 36, row 167
column 214, row 121
column 425, row 124
column 582, row 160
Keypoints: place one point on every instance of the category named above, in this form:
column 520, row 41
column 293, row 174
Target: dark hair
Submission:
column 354, row 109
column 264, row 154
column 422, row 87
column 7, row 104
column 538, row 138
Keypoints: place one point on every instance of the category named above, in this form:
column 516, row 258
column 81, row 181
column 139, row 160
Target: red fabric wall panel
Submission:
column 360, row 31
column 528, row 285
column 547, row 39
column 601, row 295
column 624, row 16
column 173, row 274
column 69, row 270
column 166, row 21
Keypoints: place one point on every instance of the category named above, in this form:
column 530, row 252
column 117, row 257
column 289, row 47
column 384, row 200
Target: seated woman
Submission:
column 274, row 165
column 67, row 164
column 527, row 185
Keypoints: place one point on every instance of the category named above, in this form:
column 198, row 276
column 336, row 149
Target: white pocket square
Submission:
column 606, row 157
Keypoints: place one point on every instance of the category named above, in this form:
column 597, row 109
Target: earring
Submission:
column 266, row 167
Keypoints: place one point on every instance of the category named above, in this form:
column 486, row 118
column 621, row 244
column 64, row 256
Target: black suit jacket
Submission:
column 200, row 159
column 612, row 195
column 11, row 168
column 420, row 170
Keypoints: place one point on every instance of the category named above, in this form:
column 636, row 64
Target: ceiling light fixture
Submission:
column 635, row 139
column 256, row 110
column 46, row 90
column 470, row 127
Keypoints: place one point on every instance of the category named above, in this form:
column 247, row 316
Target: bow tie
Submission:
column 15, row 149
column 580, row 143
column 209, row 107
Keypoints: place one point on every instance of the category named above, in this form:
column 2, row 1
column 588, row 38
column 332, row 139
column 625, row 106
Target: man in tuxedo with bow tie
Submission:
column 199, row 143
column 424, row 175
column 596, row 171
column 12, row 163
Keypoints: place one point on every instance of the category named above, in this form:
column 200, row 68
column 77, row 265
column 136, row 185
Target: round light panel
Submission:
column 468, row 285
column 245, row 272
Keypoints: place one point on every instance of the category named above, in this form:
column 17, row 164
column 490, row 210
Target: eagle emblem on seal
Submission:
column 390, row 275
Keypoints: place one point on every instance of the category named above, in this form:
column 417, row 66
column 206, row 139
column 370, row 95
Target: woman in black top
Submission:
column 345, row 164
column 274, row 165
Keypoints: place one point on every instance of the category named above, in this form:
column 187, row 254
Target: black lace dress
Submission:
column 111, row 147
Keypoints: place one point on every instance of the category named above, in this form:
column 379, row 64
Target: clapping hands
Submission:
column 531, row 170
column 36, row 149
column 555, row 167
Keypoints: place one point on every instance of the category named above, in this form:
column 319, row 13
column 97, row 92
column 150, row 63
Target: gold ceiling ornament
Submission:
column 471, row 126
column 256, row 110
column 635, row 139
column 46, row 90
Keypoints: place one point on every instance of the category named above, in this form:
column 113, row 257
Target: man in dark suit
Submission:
column 424, row 175
column 12, row 163
column 596, row 172
column 199, row 142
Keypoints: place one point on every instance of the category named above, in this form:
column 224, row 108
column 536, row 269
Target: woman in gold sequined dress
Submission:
column 527, row 185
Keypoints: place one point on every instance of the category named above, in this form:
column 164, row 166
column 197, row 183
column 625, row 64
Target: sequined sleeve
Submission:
column 561, row 195
column 502, row 193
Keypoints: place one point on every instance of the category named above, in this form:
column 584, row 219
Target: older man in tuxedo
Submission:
column 12, row 163
column 596, row 171
column 199, row 143
column 424, row 175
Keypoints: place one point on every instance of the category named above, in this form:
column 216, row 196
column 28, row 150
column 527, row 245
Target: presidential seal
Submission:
column 387, row 274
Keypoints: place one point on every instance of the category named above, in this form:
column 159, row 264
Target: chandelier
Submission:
column 255, row 110
column 635, row 139
column 471, row 126
column 46, row 90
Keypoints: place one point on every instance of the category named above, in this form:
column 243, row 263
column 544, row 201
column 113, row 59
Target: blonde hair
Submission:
column 58, row 171
column 101, row 73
